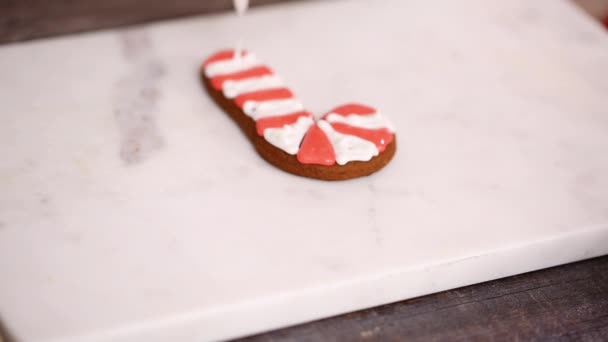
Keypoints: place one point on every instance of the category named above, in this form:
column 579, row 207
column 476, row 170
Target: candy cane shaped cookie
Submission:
column 349, row 141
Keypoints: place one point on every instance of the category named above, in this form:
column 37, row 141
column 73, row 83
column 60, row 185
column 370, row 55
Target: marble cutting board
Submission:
column 132, row 209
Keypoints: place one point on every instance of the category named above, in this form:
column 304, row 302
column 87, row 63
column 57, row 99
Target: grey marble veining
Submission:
column 136, row 97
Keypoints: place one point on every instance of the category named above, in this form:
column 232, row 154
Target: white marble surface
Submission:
column 132, row 209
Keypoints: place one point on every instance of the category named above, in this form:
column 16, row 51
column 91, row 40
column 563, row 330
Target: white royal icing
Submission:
column 240, row 6
column 231, row 65
column 348, row 147
column 232, row 88
column 257, row 110
column 289, row 137
column 371, row 121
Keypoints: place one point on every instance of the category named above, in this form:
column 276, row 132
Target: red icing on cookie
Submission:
column 221, row 56
column 352, row 108
column 278, row 121
column 316, row 148
column 258, row 71
column 264, row 95
column 380, row 137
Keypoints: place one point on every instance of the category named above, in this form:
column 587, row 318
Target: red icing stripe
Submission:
column 352, row 108
column 218, row 81
column 220, row 56
column 278, row 121
column 380, row 137
column 264, row 95
column 316, row 148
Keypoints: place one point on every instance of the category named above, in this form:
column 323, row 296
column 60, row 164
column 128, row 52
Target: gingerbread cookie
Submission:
column 350, row 141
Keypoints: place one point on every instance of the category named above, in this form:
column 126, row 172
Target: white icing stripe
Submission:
column 372, row 121
column 229, row 66
column 232, row 88
column 257, row 110
column 348, row 147
column 289, row 137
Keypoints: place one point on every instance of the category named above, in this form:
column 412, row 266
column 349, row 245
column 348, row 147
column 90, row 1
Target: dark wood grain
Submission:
column 565, row 303
column 28, row 19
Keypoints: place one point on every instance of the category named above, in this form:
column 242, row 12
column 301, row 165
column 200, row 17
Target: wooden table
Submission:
column 562, row 303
